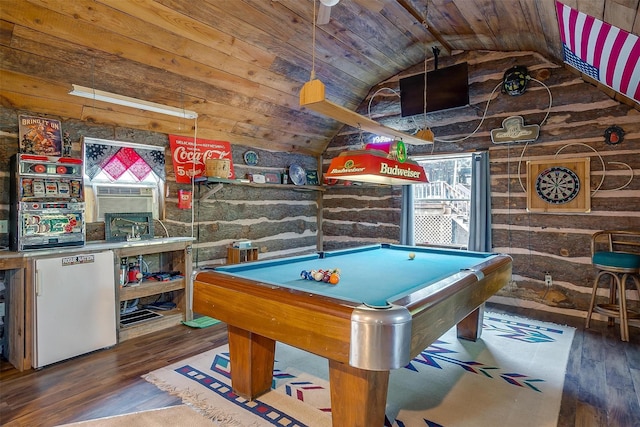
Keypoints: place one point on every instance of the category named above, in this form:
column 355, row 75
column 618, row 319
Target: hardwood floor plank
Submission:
column 622, row 408
column 589, row 416
column 616, row 365
column 567, row 416
column 574, row 363
column 635, row 375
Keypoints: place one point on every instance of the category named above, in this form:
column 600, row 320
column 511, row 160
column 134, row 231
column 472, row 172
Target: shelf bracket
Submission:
column 211, row 192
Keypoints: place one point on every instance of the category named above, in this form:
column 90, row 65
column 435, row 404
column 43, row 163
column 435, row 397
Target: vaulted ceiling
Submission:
column 240, row 64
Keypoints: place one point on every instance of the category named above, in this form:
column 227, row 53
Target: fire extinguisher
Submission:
column 134, row 270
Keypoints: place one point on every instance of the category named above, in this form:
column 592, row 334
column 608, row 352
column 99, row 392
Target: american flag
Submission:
column 602, row 51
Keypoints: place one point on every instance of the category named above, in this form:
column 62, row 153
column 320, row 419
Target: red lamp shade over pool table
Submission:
column 375, row 167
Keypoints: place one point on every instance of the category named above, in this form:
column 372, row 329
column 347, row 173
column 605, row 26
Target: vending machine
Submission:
column 47, row 202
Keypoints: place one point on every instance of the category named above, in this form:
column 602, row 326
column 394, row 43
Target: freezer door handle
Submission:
column 38, row 287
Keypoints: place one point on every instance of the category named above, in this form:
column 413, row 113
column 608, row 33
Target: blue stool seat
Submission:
column 617, row 260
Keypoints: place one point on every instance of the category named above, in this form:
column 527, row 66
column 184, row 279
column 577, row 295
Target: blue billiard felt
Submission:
column 374, row 275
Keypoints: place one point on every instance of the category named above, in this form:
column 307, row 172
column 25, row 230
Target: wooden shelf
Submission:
column 150, row 287
column 221, row 181
column 169, row 254
column 238, row 255
column 169, row 318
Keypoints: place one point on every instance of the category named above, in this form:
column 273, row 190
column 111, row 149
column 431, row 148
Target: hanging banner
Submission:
column 189, row 159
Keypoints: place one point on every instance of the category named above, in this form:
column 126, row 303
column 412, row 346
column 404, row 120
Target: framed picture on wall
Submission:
column 40, row 135
column 558, row 185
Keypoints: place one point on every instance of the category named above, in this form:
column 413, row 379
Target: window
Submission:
column 442, row 206
column 122, row 177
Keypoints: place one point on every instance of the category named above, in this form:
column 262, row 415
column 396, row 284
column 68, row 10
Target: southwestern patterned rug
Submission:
column 514, row 375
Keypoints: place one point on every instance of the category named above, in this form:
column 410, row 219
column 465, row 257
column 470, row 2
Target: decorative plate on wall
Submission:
column 251, row 158
column 297, row 174
column 558, row 185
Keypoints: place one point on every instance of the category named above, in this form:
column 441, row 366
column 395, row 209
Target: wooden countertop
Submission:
column 10, row 260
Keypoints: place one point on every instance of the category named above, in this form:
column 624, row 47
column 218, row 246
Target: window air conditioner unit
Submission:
column 125, row 199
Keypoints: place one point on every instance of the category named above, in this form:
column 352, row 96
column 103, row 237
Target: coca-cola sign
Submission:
column 189, row 158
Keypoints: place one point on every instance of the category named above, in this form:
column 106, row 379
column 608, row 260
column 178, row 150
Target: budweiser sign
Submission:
column 366, row 166
column 189, row 158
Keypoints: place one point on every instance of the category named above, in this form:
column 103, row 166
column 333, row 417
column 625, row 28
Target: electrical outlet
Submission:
column 4, row 226
column 547, row 280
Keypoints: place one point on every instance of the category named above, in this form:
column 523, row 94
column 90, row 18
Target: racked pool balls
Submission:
column 327, row 276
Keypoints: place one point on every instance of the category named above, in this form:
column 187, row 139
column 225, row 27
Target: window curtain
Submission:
column 407, row 219
column 115, row 160
column 480, row 217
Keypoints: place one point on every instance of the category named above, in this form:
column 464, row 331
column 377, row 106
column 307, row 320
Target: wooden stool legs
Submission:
column 617, row 306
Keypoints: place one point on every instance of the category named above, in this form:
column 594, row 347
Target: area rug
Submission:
column 514, row 375
column 173, row 416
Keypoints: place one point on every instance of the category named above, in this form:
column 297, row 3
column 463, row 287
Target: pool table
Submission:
column 387, row 307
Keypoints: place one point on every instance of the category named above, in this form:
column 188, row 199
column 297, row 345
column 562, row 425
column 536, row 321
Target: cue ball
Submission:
column 412, row 255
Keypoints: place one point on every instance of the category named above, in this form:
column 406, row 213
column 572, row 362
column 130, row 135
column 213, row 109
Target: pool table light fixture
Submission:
column 375, row 167
column 312, row 96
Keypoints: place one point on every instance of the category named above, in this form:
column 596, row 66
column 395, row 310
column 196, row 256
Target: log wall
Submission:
column 280, row 220
column 538, row 242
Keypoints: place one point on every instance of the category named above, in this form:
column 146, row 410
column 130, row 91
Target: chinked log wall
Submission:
column 279, row 220
column 538, row 242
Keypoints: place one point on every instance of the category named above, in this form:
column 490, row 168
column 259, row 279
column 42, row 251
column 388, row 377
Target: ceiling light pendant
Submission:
column 312, row 96
column 113, row 98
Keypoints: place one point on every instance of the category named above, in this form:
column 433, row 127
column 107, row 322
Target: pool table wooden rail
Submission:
column 308, row 321
column 456, row 300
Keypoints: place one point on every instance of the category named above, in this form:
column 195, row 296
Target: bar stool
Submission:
column 611, row 254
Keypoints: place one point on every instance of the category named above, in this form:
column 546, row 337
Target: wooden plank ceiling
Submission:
column 240, row 64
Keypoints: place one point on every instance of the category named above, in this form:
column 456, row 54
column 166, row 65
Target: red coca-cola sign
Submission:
column 189, row 158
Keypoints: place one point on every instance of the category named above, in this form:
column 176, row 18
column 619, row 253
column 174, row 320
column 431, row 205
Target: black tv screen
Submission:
column 446, row 88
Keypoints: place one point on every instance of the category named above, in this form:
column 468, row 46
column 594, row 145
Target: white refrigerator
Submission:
column 75, row 306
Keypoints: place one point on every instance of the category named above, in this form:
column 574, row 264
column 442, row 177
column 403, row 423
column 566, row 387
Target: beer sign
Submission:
column 189, row 159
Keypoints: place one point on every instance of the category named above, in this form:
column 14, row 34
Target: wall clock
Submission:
column 558, row 185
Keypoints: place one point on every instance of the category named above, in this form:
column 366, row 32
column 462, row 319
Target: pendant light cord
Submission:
column 313, row 43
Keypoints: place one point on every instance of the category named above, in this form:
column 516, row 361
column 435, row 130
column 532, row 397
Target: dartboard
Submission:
column 557, row 185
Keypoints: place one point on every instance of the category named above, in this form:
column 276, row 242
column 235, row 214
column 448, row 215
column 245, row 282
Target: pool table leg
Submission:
column 358, row 396
column 252, row 357
column 470, row 328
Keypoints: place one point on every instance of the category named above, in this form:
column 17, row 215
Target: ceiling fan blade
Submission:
column 324, row 14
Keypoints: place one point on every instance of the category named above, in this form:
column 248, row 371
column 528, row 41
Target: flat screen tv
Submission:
column 446, row 88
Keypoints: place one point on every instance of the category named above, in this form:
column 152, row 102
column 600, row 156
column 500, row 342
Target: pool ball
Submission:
column 412, row 255
column 334, row 278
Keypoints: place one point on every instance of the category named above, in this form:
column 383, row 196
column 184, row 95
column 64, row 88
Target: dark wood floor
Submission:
column 602, row 385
